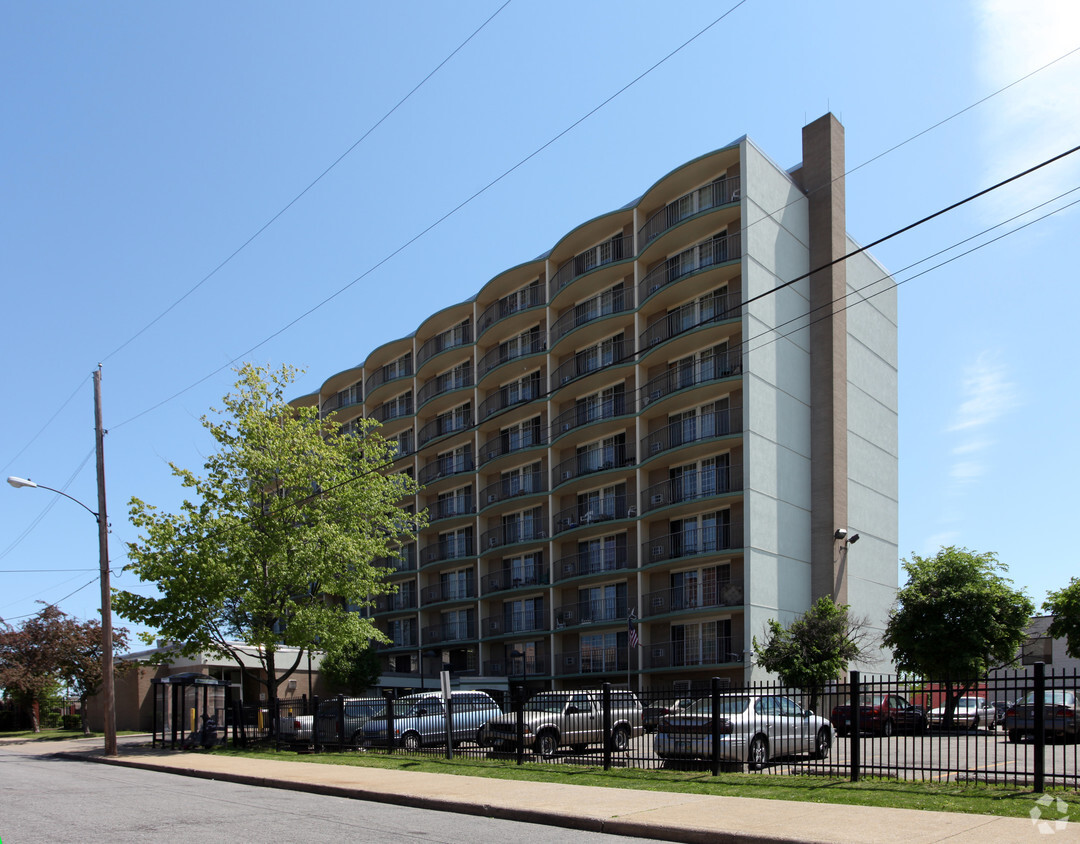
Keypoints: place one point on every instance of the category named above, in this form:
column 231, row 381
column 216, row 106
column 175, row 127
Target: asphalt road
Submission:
column 50, row 799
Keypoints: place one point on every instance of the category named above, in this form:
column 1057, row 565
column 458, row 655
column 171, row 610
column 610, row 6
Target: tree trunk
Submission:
column 82, row 712
column 35, row 716
column 271, row 688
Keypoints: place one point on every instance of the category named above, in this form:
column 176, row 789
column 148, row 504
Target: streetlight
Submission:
column 107, row 687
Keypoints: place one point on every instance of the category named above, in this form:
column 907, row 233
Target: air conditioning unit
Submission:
column 657, row 499
column 491, row 498
column 656, row 447
column 656, row 394
column 658, row 653
column 493, row 625
column 653, row 289
column 567, row 475
column 657, row 550
column 492, row 455
column 565, row 427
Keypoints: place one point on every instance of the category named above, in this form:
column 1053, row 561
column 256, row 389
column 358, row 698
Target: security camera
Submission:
column 840, row 533
column 854, row 538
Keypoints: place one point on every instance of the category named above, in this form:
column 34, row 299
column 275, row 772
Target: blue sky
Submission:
column 144, row 144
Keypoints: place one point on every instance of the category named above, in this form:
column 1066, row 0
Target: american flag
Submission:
column 631, row 631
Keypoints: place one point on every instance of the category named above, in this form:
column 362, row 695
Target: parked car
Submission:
column 572, row 719
column 970, row 713
column 358, row 711
column 1000, row 708
column 881, row 713
column 753, row 729
column 1060, row 716
column 420, row 719
column 651, row 715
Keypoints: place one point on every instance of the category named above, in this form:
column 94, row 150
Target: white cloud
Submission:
column 1037, row 118
column 987, row 394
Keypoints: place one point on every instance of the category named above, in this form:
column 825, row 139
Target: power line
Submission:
column 41, row 430
column 312, row 184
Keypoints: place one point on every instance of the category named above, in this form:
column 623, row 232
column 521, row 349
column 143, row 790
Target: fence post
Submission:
column 854, row 704
column 518, row 702
column 605, row 699
column 1040, row 727
column 389, row 695
column 340, row 718
column 316, row 745
column 449, row 719
column 715, row 752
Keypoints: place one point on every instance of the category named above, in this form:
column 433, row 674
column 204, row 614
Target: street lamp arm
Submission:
column 21, row 482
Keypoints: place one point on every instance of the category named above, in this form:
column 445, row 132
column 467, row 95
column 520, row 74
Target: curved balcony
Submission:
column 585, row 514
column 599, row 561
column 707, row 426
column 698, row 258
column 449, row 508
column 452, row 338
column 506, row 489
column 596, row 661
column 505, row 580
column 405, row 562
column 443, row 426
column 514, row 534
column 598, row 307
column 518, row 301
column 504, row 353
column 689, row 317
column 504, row 444
column 444, row 592
column 535, row 666
column 407, row 640
column 442, row 467
column 679, row 598
column 693, row 486
column 588, row 361
column 395, row 603
column 713, row 195
column 451, row 631
column 455, row 379
column 578, row 416
column 708, row 653
column 395, row 409
column 699, row 543
column 599, row 611
column 346, row 398
column 590, row 462
column 442, row 551
column 515, row 623
column 506, row 397
column 716, row 368
column 387, row 374
column 619, row 248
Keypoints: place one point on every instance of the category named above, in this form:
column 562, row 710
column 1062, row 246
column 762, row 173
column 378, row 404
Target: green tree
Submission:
column 81, row 663
column 815, row 649
column 955, row 619
column 278, row 545
column 1064, row 606
column 353, row 666
column 31, row 656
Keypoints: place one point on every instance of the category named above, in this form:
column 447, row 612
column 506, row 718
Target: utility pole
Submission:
column 108, row 690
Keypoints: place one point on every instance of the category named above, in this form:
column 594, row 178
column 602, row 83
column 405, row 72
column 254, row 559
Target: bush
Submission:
column 71, row 722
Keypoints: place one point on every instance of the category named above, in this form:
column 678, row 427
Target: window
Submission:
column 601, row 405
column 701, row 534
column 454, row 503
column 524, row 569
column 603, row 454
column 700, row 587
column 522, row 435
column 600, row 504
column 523, row 389
column 523, row 526
column 456, row 543
column 603, row 554
column 524, row 615
column 523, row 480
column 603, row 652
column 603, row 603
column 456, row 584
column 703, row 643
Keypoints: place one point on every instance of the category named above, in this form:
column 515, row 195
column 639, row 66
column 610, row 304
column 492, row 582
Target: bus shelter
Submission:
column 183, row 704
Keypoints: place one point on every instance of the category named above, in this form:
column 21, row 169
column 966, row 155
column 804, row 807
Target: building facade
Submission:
column 640, row 425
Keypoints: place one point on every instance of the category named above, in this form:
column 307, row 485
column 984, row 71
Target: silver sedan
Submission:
column 752, row 728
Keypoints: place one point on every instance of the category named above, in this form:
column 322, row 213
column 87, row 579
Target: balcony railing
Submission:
column 701, row 542
column 717, row 423
column 459, row 549
column 584, row 514
column 459, row 335
column 594, row 562
column 530, row 483
column 501, row 581
column 619, row 248
column 503, row 398
column 599, row 611
column 716, row 368
column 444, row 425
column 605, row 304
column 716, row 594
column 592, row 360
column 395, row 409
column 510, row 444
column 454, row 631
column 703, row 256
column 405, row 562
column 387, row 374
column 596, row 661
column 595, row 460
column 346, row 398
column 585, row 414
column 515, row 532
column 690, row 316
column 512, row 668
column 513, row 623
column 395, row 603
column 456, row 379
column 447, row 508
column 442, row 467
column 409, row 639
column 720, row 192
column 504, row 353
column 453, row 591
column 719, row 651
column 519, row 300
column 693, row 486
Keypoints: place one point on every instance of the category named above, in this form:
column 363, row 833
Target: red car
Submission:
column 883, row 714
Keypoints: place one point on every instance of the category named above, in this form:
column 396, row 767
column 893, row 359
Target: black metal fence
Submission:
column 1015, row 728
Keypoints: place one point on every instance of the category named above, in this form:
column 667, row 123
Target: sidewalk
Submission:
column 646, row 814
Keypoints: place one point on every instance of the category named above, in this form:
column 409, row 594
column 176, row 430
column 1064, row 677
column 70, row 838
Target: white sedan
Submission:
column 970, row 713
